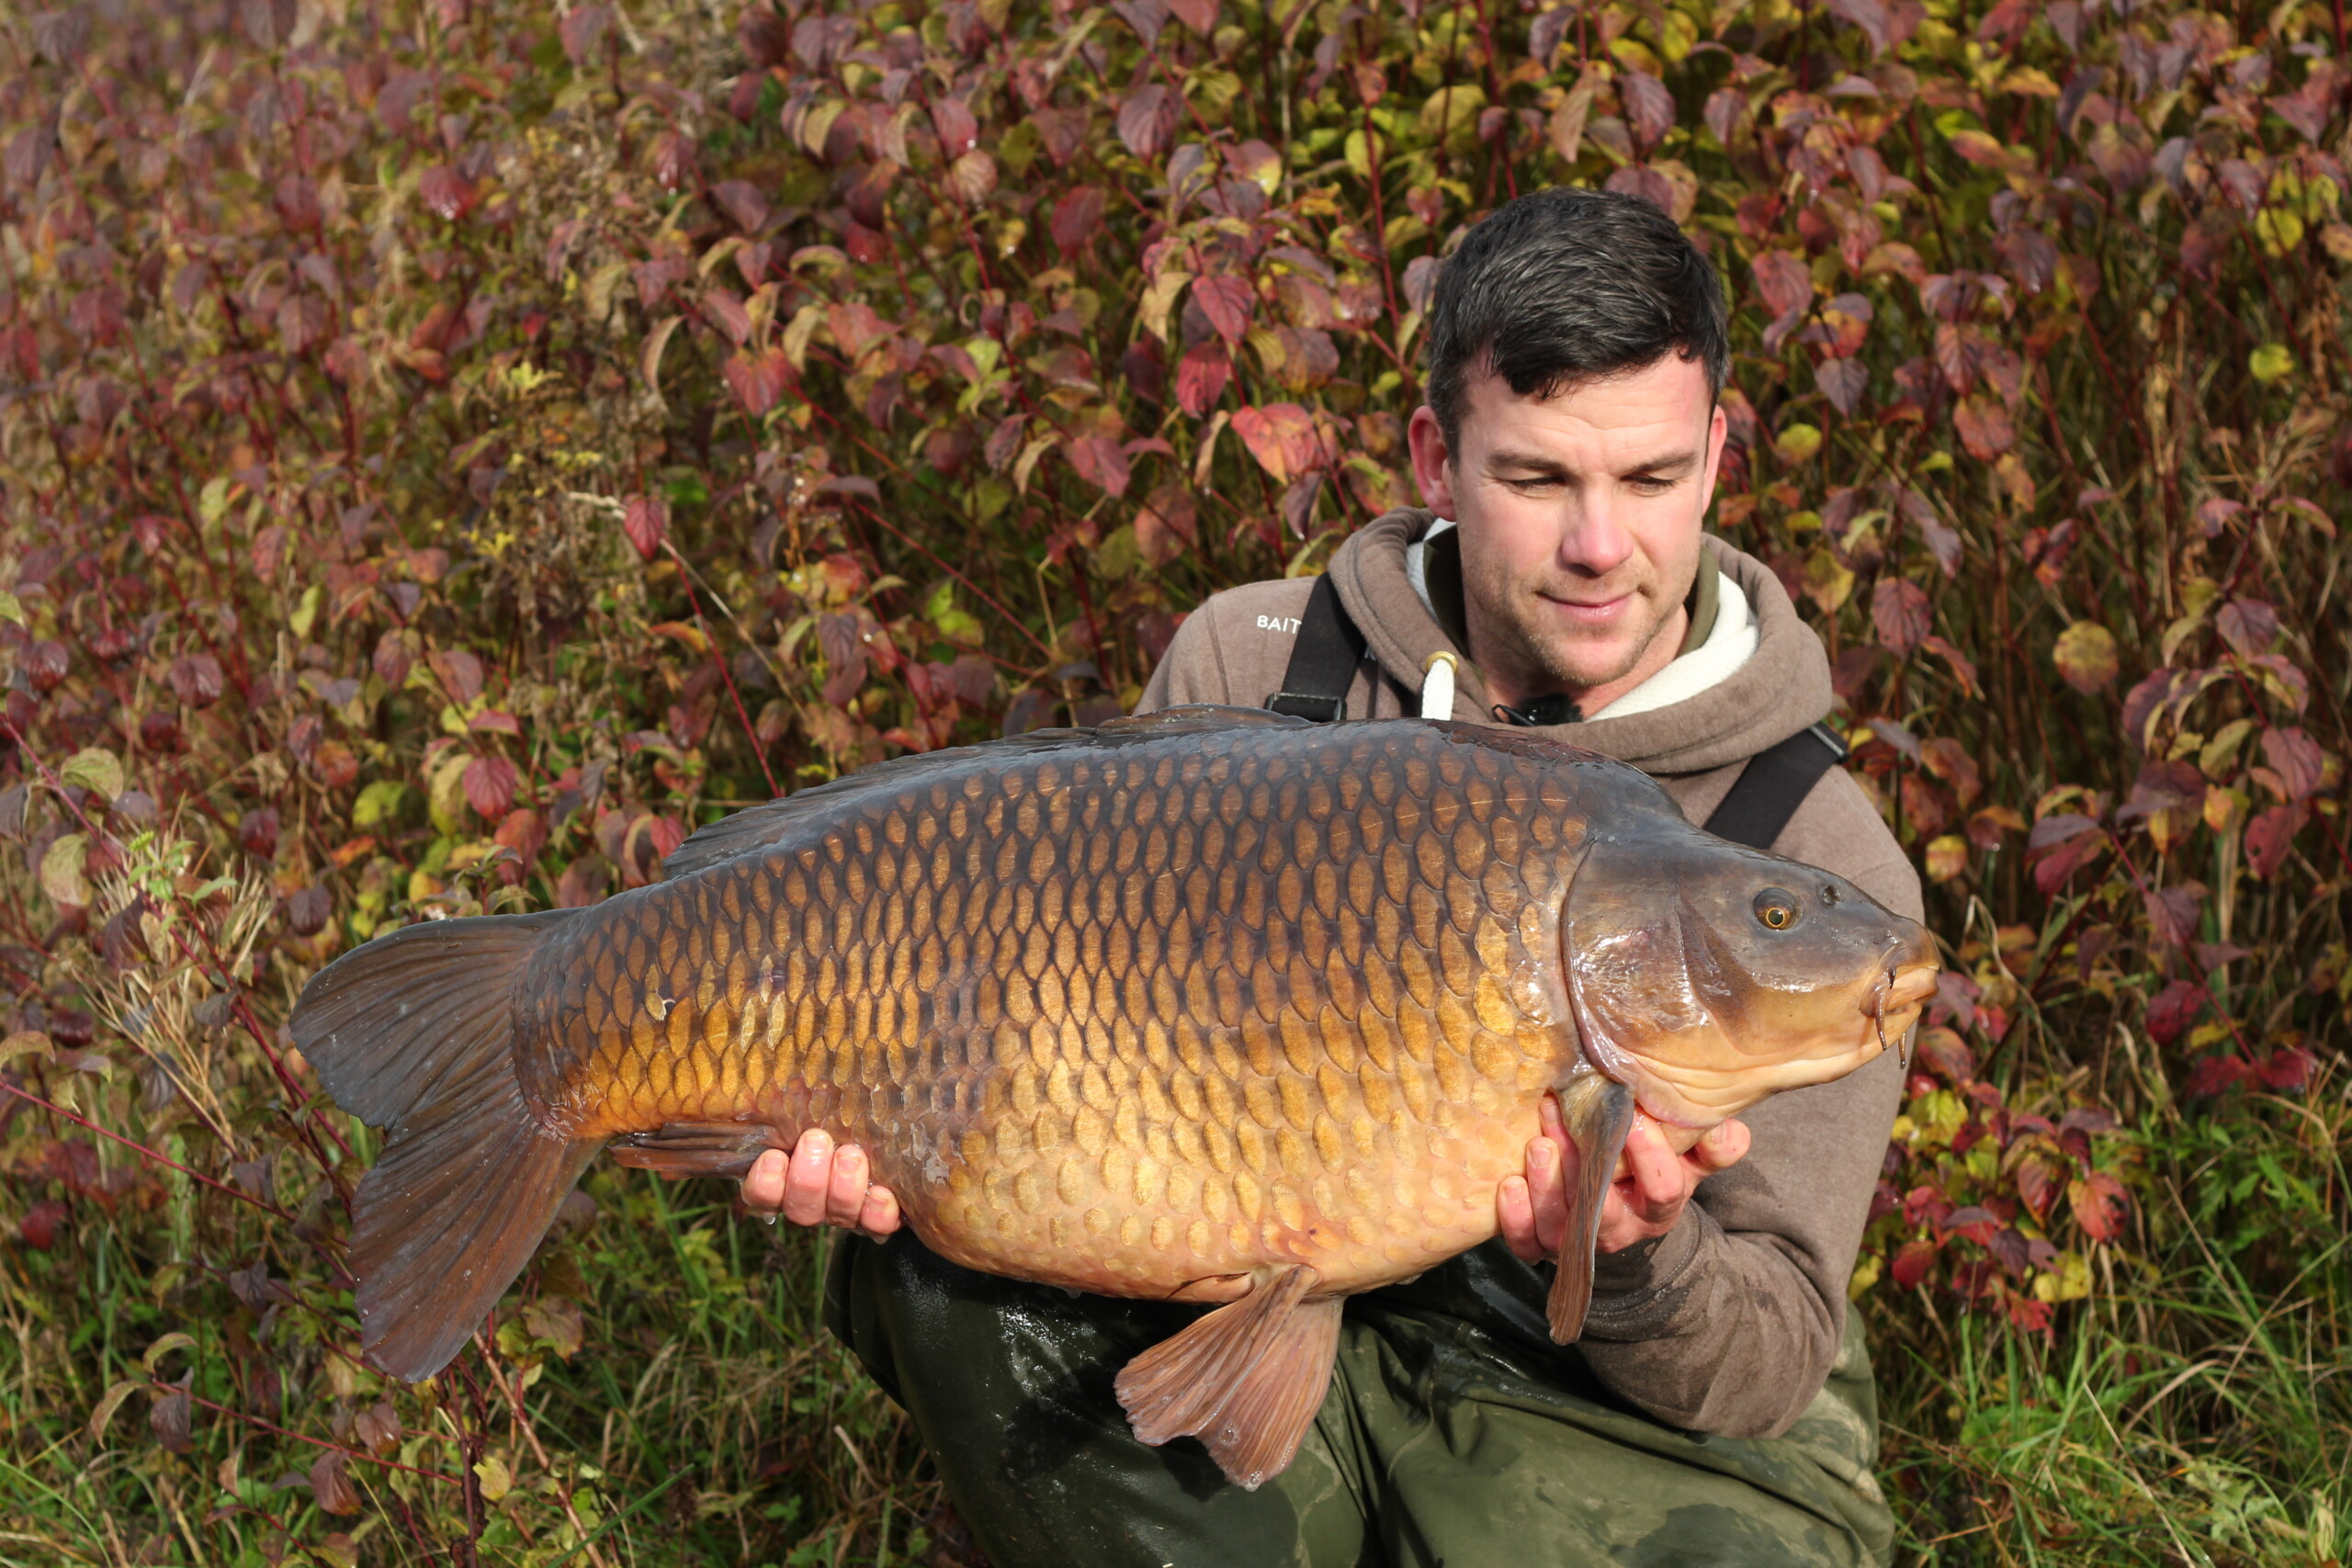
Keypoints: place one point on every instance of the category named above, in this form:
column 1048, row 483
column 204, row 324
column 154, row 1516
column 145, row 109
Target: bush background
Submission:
column 448, row 451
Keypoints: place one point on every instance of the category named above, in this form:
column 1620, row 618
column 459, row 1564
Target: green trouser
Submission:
column 1454, row 1433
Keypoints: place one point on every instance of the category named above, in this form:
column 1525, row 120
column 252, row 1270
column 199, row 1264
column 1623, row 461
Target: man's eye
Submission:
column 1649, row 486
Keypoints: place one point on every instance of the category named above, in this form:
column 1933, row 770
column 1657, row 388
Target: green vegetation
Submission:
column 448, row 450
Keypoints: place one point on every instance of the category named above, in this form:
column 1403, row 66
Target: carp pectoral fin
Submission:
column 414, row 1033
column 1246, row 1379
column 1597, row 1113
column 680, row 1149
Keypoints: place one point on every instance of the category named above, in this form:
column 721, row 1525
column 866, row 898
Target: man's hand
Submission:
column 1534, row 1208
column 820, row 1185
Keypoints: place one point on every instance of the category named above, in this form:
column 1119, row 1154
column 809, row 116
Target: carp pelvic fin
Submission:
column 414, row 1033
column 676, row 1150
column 1597, row 1113
column 1246, row 1379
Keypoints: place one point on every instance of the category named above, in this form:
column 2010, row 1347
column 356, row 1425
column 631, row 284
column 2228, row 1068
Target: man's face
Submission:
column 1580, row 516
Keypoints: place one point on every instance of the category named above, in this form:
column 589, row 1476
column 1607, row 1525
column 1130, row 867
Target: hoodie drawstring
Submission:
column 1437, row 686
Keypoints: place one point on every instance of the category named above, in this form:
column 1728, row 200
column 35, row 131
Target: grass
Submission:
column 2182, row 1415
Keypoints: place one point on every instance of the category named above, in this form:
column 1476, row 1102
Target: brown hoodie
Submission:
column 1728, row 1323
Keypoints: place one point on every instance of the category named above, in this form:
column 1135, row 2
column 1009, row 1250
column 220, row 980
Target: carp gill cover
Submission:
column 1208, row 1005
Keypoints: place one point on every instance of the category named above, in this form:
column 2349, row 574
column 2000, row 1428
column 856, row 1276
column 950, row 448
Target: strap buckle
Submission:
column 1304, row 704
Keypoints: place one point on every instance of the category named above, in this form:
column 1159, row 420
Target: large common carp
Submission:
column 1208, row 1005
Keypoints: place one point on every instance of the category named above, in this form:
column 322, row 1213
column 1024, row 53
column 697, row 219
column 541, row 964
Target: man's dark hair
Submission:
column 1563, row 287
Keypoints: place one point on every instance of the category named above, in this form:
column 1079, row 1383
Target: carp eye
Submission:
column 1777, row 907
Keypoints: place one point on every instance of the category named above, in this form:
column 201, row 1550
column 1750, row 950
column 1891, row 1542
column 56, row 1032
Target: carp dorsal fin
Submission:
column 1187, row 718
column 1598, row 1111
column 1246, row 1379
column 755, row 827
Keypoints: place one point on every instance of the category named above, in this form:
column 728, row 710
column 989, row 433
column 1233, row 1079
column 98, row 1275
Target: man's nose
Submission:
column 1593, row 539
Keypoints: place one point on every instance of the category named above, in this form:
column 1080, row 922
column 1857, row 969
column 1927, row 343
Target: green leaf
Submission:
column 11, row 611
column 306, row 613
column 97, row 770
column 2271, row 362
column 25, row 1042
column 212, row 502
column 61, row 871
column 379, row 802
column 175, row 1340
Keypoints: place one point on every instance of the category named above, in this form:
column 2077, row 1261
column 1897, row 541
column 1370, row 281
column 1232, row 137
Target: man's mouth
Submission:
column 1579, row 612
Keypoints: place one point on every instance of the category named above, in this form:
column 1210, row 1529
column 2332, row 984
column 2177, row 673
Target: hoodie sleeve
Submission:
column 1728, row 1323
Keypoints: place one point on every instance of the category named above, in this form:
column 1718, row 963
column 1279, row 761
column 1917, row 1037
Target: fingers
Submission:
column 1655, row 1180
column 845, row 1194
column 1516, row 1219
column 808, row 1182
column 764, row 1183
column 1721, row 1148
column 1547, row 1191
column 880, row 1216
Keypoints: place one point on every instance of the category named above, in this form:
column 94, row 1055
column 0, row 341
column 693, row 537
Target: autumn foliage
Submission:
column 451, row 450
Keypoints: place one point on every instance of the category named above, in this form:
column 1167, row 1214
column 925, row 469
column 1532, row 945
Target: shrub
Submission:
column 449, row 452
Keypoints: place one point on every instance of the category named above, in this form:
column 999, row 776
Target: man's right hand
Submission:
column 818, row 1184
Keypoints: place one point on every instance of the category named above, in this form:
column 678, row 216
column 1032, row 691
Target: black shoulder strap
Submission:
column 1774, row 784
column 1322, row 662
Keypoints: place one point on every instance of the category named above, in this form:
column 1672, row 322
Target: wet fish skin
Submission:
column 1208, row 1005
column 1140, row 1021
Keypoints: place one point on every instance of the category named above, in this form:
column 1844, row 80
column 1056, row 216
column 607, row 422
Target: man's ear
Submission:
column 1718, row 426
column 1432, row 464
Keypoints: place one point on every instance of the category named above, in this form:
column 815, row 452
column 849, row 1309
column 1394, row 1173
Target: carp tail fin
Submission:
column 414, row 1033
column 1597, row 1113
column 1246, row 1379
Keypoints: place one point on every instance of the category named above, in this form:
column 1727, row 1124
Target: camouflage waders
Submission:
column 1454, row 1433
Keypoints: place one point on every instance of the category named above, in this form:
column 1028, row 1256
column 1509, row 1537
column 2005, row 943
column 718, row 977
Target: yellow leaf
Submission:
column 496, row 1480
column 1947, row 857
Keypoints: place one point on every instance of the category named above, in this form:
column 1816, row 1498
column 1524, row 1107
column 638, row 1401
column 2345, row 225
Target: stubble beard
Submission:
column 1520, row 625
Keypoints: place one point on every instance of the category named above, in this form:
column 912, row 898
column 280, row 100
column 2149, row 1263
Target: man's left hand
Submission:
column 1643, row 1204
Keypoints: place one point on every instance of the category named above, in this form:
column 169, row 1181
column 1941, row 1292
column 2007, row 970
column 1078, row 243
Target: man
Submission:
column 1719, row 1407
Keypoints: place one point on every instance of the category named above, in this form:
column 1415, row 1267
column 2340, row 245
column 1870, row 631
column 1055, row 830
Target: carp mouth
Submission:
column 1897, row 995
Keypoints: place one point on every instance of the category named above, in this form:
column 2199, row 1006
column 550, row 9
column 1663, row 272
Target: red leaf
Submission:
column 1649, row 107
column 1281, row 437
column 331, row 1487
column 2270, row 839
column 2216, row 1074
column 582, row 30
column 1912, row 1263
column 646, row 520
column 2296, row 758
column 1783, row 283
column 2289, row 1069
column 758, row 380
column 460, row 673
column 744, row 202
column 490, row 786
column 448, row 193
column 1843, row 382
column 2099, row 1203
column 1899, row 612
column 1148, row 119
column 1100, row 462
column 1984, row 427
column 959, row 132
column 1075, row 217
column 1198, row 15
column 1201, row 378
column 2175, row 1008
column 1228, row 303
